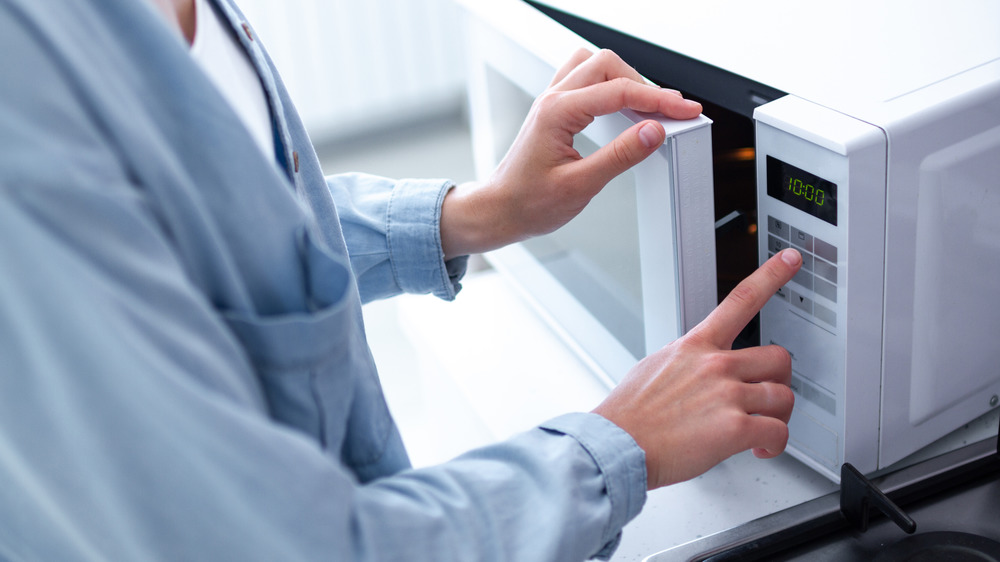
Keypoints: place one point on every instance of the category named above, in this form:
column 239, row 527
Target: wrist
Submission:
column 473, row 220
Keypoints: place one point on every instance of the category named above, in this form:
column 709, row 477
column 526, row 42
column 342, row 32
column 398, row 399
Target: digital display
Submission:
column 802, row 190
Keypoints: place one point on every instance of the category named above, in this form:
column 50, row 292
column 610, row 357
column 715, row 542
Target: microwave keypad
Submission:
column 818, row 275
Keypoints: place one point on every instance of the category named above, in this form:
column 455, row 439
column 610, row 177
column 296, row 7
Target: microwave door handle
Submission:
column 675, row 202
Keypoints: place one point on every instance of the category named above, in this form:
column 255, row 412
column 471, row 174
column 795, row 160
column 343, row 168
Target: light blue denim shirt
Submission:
column 184, row 373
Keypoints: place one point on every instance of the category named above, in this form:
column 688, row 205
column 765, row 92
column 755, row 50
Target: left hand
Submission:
column 543, row 182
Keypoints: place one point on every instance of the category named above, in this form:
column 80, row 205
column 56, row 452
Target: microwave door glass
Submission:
column 596, row 258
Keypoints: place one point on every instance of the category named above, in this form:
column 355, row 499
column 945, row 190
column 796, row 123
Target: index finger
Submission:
column 745, row 301
column 600, row 67
column 622, row 93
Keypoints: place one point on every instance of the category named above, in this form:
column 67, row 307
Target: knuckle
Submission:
column 688, row 343
column 781, row 401
column 548, row 100
column 607, row 56
column 718, row 363
column 779, row 395
column 768, row 433
column 774, row 272
column 742, row 425
column 697, row 338
column 783, row 355
column 785, row 396
column 623, row 82
column 744, row 295
column 622, row 153
column 681, row 349
column 779, row 357
column 782, row 362
column 734, row 393
column 777, row 438
column 624, row 86
column 781, row 431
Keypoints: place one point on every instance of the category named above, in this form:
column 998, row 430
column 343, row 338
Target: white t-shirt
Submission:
column 228, row 66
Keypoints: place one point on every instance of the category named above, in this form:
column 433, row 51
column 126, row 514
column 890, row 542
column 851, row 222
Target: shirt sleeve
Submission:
column 393, row 234
column 128, row 430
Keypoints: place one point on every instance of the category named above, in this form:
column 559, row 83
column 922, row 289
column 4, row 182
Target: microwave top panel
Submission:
column 855, row 56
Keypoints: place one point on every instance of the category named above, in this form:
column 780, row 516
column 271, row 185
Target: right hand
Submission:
column 543, row 182
column 696, row 402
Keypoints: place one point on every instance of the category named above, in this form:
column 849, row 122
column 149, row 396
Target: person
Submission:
column 185, row 373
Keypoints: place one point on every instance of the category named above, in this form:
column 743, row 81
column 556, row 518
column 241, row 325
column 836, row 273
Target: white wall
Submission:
column 352, row 66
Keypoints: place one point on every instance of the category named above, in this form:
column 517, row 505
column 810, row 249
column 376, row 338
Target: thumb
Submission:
column 625, row 151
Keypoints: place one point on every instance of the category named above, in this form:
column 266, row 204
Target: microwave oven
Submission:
column 867, row 137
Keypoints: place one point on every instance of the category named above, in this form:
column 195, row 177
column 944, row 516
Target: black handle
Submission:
column 858, row 496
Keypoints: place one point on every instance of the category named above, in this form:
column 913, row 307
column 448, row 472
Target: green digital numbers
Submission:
column 806, row 191
column 801, row 189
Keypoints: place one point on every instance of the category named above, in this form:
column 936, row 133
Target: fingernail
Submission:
column 791, row 257
column 650, row 136
column 692, row 103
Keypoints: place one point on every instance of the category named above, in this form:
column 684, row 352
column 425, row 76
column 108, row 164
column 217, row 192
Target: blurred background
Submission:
column 367, row 76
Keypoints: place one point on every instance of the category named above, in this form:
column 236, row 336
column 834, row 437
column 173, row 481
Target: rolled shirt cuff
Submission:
column 414, row 240
column 620, row 460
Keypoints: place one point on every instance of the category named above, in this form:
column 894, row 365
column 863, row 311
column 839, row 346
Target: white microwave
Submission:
column 867, row 137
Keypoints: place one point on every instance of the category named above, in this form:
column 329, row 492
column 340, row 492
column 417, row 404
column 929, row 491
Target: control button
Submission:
column 825, row 290
column 804, row 278
column 822, row 399
column 801, row 302
column 825, row 314
column 778, row 228
column 807, row 261
column 802, row 239
column 774, row 245
column 813, row 393
column 782, row 293
column 825, row 250
column 825, row 270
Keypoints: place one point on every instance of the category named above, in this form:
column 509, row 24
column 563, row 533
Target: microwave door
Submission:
column 637, row 268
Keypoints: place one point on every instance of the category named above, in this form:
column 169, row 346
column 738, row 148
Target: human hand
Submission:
column 696, row 402
column 543, row 182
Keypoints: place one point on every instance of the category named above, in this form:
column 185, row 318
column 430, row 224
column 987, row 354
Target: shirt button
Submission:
column 246, row 29
column 295, row 159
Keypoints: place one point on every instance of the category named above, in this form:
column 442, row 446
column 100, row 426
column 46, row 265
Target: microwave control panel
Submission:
column 798, row 208
column 821, row 190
